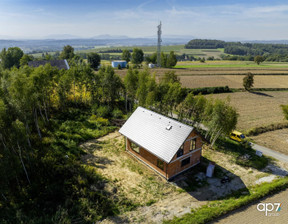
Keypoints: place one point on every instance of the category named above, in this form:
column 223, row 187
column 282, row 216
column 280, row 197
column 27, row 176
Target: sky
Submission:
column 211, row 19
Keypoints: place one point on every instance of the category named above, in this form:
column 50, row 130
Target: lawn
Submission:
column 256, row 110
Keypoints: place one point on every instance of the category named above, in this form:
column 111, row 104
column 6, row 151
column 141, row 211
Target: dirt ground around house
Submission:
column 256, row 109
column 157, row 198
column 276, row 140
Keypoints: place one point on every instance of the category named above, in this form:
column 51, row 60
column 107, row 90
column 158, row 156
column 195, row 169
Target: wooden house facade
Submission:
column 164, row 144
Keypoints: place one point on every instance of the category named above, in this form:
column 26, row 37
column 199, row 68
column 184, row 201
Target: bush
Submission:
column 103, row 111
column 271, row 127
column 210, row 90
column 98, row 120
column 117, row 113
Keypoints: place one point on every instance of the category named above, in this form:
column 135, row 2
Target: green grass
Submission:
column 146, row 49
column 178, row 49
column 237, row 150
column 237, row 199
column 229, row 64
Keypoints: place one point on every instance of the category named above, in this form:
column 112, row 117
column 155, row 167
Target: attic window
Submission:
column 169, row 127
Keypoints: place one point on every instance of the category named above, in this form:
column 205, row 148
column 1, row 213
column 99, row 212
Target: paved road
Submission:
column 270, row 152
column 250, row 215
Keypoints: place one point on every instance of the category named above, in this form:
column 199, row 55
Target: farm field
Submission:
column 256, row 110
column 229, row 64
column 276, row 140
column 233, row 81
column 178, row 49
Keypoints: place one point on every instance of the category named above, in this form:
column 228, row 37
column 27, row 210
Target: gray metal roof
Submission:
column 60, row 64
column 160, row 135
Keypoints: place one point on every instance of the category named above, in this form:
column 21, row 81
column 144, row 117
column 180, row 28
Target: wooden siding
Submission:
column 147, row 157
column 174, row 167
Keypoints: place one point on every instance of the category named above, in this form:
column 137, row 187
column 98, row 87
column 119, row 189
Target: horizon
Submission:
column 241, row 20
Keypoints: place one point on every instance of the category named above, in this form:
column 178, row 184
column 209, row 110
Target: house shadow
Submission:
column 261, row 94
column 222, row 184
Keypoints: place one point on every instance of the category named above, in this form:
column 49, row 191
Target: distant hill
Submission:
column 53, row 44
column 110, row 37
column 60, row 36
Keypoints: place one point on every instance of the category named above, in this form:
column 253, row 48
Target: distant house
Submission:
column 60, row 64
column 121, row 63
column 164, row 144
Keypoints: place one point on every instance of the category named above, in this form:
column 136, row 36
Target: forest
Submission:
column 45, row 113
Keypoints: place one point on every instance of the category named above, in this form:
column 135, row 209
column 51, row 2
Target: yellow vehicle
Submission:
column 237, row 136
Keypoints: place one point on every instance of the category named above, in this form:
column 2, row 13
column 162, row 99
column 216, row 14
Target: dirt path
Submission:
column 250, row 214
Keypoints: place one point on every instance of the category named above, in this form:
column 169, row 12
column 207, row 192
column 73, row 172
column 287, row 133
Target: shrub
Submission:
column 94, row 108
column 98, row 120
column 210, row 90
column 103, row 111
column 271, row 127
column 117, row 113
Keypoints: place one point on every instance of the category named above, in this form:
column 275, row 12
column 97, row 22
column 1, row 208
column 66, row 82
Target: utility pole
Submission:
column 159, row 45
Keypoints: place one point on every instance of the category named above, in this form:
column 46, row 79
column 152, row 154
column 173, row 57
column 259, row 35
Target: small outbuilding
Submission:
column 115, row 64
column 165, row 145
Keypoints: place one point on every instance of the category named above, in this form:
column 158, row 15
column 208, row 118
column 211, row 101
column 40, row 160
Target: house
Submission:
column 164, row 144
column 60, row 64
column 115, row 64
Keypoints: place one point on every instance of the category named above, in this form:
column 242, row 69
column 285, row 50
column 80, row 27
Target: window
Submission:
column 135, row 147
column 184, row 162
column 193, row 144
column 180, row 151
column 160, row 164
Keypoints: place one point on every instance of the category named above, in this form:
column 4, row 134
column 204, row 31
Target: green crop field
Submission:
column 178, row 49
column 229, row 64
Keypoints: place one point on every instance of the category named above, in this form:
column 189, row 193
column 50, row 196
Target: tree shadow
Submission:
column 202, row 188
column 117, row 219
column 261, row 94
column 94, row 160
column 274, row 169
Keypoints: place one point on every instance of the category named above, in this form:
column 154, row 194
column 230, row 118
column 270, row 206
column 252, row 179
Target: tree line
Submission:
column 243, row 51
